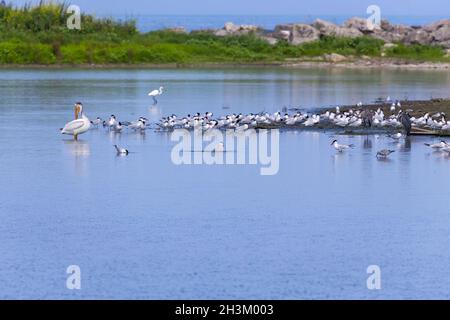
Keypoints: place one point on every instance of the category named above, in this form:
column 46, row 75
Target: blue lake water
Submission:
column 142, row 227
column 147, row 22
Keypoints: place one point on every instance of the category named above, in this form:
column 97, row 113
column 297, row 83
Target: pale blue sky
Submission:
column 258, row 7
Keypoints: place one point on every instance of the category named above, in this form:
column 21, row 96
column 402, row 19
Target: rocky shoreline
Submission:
column 437, row 33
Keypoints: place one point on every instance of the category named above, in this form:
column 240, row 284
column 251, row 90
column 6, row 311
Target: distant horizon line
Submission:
column 271, row 15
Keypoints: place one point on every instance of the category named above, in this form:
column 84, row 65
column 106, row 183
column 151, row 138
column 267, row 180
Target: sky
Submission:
column 258, row 7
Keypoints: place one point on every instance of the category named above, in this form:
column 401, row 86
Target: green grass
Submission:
column 38, row 35
column 418, row 53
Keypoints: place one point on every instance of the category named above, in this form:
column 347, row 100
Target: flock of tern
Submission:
column 352, row 118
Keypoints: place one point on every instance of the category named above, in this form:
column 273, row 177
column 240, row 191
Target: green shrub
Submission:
column 416, row 52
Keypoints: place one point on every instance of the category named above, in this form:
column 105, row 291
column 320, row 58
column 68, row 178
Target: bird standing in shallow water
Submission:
column 77, row 126
column 341, row 147
column 405, row 120
column 156, row 93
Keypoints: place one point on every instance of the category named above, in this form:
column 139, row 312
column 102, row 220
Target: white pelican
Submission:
column 156, row 93
column 341, row 147
column 77, row 126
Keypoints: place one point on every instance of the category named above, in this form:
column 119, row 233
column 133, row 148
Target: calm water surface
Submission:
column 147, row 22
column 141, row 227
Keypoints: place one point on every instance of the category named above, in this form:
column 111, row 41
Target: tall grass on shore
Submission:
column 38, row 35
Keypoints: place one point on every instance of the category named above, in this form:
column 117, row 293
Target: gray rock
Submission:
column 334, row 58
column 360, row 24
column 330, row 29
column 386, row 26
column 392, row 33
column 418, row 36
column 283, row 31
column 442, row 34
column 221, row 33
column 436, row 25
column 232, row 29
column 302, row 33
column 296, row 33
column 445, row 44
column 177, row 30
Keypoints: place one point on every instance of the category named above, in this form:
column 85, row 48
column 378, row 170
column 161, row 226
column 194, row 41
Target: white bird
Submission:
column 118, row 127
column 140, row 124
column 156, row 93
column 393, row 107
column 111, row 122
column 77, row 126
column 97, row 121
column 396, row 136
column 121, row 151
column 341, row 147
column 439, row 145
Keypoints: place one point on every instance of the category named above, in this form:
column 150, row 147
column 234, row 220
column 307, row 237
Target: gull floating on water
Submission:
column 121, row 151
column 341, row 147
column 111, row 122
column 439, row 145
column 77, row 126
column 118, row 127
column 97, row 121
column 396, row 136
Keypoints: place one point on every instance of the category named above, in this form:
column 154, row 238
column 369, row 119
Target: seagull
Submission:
column 139, row 124
column 393, row 107
column 121, row 151
column 384, row 153
column 396, row 136
column 77, row 126
column 97, row 121
column 111, row 122
column 118, row 127
column 156, row 93
column 439, row 145
column 446, row 149
column 341, row 147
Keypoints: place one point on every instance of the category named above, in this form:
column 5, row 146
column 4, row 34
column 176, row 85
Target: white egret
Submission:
column 156, row 93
